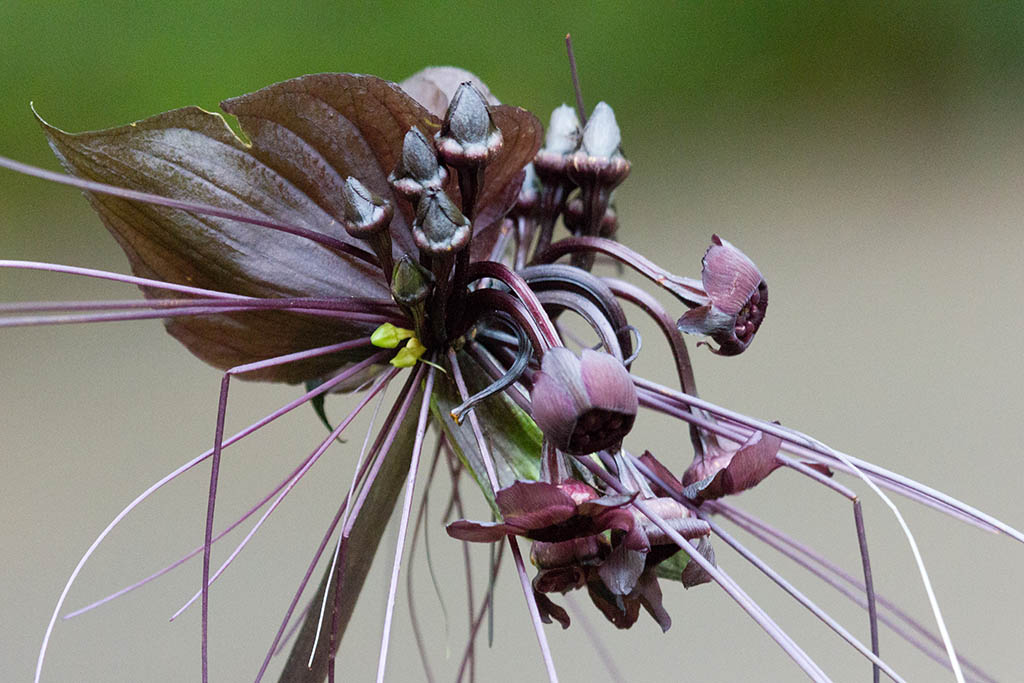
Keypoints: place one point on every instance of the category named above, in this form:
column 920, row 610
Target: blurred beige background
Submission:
column 870, row 161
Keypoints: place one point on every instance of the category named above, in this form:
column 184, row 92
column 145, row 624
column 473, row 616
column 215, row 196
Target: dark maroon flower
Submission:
column 737, row 299
column 583, row 404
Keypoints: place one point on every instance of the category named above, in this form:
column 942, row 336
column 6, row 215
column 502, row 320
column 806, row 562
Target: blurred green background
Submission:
column 867, row 156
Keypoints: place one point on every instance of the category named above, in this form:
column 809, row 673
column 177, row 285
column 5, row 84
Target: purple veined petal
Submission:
column 554, row 409
column 608, row 383
column 729, row 276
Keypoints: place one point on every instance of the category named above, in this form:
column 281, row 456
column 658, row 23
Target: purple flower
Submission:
column 737, row 298
column 343, row 244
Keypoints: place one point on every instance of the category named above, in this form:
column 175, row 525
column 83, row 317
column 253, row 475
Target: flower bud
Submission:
column 468, row 136
column 417, row 170
column 583, row 404
column 440, row 228
column 599, row 159
column 562, row 139
column 368, row 217
column 411, row 286
column 366, row 214
column 738, row 297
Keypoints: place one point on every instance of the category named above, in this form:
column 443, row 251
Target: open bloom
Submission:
column 367, row 230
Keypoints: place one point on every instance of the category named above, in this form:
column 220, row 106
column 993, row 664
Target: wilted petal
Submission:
column 623, row 612
column 549, row 610
column 693, row 573
column 650, row 597
column 528, row 505
column 721, row 472
column 622, row 569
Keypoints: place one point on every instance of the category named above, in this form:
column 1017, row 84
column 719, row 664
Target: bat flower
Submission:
column 361, row 234
column 737, row 297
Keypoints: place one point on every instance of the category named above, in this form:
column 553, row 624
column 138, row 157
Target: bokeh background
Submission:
column 867, row 156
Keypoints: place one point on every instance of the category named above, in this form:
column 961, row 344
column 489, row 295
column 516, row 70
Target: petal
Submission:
column 693, row 573
column 729, row 277
column 706, row 320
column 608, row 383
column 435, row 86
column 622, row 569
column 478, row 532
column 549, row 610
column 317, row 130
column 534, row 505
column 650, row 598
column 191, row 154
column 554, row 409
column 747, row 466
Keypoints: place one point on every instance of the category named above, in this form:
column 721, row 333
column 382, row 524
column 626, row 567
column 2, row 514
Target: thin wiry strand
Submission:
column 410, row 594
column 756, row 612
column 288, row 407
column 862, row 541
column 907, row 488
column 455, row 471
column 328, row 309
column 804, row 446
column 116, row 277
column 802, row 599
column 218, row 445
column 190, row 207
column 290, row 484
column 350, row 304
column 289, row 480
column 871, row 655
column 478, row 619
column 611, row 669
column 819, row 449
column 388, row 429
column 517, row 556
column 836, row 577
column 403, row 526
column 353, row 487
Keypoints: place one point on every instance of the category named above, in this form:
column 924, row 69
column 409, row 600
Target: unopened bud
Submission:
column 468, row 136
column 440, row 227
column 417, row 170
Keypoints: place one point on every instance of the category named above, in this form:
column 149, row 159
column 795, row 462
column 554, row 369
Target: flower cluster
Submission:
column 369, row 228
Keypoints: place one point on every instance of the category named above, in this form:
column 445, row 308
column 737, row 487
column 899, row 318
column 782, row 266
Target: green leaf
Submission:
column 672, row 568
column 367, row 531
column 512, row 437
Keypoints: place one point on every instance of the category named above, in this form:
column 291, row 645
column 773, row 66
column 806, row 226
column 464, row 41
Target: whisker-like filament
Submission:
column 190, row 207
column 403, row 526
column 288, row 407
